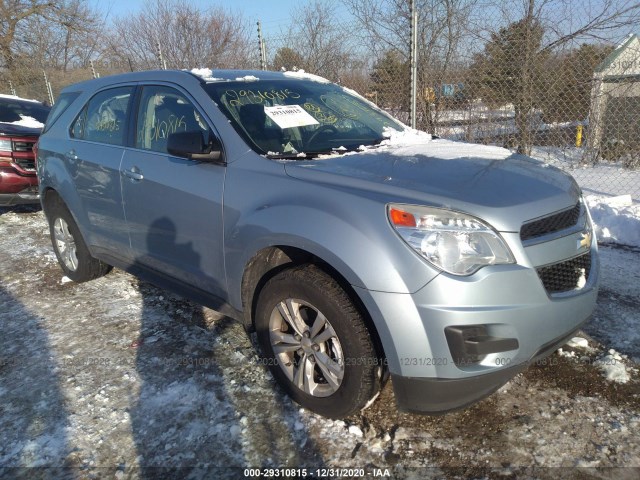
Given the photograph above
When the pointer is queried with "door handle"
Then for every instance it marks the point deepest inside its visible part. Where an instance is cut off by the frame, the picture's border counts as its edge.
(71, 155)
(134, 174)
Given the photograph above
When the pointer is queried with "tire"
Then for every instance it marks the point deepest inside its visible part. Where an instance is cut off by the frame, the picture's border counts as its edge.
(316, 343)
(70, 248)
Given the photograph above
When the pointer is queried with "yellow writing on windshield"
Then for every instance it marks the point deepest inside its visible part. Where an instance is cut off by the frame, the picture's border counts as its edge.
(317, 113)
(237, 98)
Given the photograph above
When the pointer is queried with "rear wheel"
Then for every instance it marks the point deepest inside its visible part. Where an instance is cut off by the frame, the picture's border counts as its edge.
(69, 246)
(316, 343)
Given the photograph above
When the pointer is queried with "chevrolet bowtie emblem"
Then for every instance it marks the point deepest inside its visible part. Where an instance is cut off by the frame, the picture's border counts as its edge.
(585, 240)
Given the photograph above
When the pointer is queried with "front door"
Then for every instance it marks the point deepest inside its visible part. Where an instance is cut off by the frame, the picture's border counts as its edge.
(173, 206)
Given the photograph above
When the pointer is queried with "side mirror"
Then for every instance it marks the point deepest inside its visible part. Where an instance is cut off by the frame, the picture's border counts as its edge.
(191, 145)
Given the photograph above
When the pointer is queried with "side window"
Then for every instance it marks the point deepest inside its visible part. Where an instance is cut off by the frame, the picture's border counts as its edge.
(164, 111)
(63, 102)
(103, 118)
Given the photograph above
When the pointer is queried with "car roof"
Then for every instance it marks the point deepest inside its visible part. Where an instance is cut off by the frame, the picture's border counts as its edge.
(202, 75)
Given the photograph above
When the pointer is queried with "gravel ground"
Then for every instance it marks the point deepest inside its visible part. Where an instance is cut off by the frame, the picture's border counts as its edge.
(116, 378)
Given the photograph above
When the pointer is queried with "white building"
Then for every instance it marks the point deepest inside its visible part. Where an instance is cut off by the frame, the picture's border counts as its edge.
(614, 119)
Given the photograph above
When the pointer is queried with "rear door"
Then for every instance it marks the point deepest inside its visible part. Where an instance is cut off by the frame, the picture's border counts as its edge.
(173, 205)
(98, 135)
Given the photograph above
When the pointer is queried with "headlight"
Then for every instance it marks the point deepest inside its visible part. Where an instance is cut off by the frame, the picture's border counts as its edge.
(5, 145)
(454, 242)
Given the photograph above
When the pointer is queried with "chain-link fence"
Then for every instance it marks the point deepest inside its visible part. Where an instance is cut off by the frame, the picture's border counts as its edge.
(571, 101)
(576, 107)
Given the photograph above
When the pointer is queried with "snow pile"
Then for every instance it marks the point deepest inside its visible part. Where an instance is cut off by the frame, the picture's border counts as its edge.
(26, 121)
(247, 78)
(206, 74)
(616, 219)
(306, 76)
(578, 342)
(411, 143)
(613, 368)
(408, 136)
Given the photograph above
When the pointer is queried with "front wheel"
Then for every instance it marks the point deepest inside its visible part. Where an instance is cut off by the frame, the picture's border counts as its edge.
(316, 343)
(71, 250)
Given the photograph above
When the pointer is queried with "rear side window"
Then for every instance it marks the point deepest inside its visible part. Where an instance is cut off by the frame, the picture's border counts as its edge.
(104, 117)
(63, 102)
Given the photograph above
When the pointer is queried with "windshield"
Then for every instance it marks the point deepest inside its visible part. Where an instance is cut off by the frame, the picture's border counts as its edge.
(289, 117)
(12, 111)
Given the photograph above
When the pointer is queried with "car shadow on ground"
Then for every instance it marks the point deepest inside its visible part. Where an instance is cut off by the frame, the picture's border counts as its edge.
(194, 414)
(34, 416)
(20, 209)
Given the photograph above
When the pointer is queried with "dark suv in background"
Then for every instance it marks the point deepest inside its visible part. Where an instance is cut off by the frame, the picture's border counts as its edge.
(21, 122)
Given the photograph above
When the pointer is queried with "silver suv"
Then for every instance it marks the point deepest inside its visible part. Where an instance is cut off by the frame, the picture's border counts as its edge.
(355, 247)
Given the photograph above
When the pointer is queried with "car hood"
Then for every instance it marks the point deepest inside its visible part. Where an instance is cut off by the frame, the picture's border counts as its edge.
(492, 183)
(14, 129)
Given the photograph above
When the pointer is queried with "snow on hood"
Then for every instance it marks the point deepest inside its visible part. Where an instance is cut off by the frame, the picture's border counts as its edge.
(409, 143)
(616, 219)
(304, 75)
(26, 121)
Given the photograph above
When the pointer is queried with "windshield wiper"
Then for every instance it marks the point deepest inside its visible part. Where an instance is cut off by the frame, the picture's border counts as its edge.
(333, 151)
(303, 155)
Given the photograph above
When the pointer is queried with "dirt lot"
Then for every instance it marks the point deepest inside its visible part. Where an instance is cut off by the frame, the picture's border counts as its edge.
(118, 379)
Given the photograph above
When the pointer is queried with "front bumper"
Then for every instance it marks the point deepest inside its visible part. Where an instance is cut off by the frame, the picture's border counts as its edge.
(441, 395)
(18, 188)
(28, 196)
(507, 304)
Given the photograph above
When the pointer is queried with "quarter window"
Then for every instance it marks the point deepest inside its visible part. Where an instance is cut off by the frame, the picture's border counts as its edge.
(104, 117)
(61, 105)
(164, 111)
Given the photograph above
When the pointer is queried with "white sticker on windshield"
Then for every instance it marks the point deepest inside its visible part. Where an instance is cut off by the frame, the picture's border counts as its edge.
(289, 116)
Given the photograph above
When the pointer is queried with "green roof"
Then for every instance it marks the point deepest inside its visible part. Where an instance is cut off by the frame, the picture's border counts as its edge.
(606, 63)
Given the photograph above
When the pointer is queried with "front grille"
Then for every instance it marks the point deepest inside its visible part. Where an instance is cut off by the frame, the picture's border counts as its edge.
(28, 164)
(566, 276)
(22, 146)
(553, 223)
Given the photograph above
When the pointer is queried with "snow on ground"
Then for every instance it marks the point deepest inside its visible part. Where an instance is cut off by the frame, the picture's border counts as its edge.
(613, 367)
(118, 374)
(116, 377)
(616, 219)
(609, 179)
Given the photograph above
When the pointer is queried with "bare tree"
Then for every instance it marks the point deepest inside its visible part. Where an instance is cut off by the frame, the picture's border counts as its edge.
(186, 35)
(512, 66)
(37, 36)
(441, 26)
(321, 40)
(68, 37)
(13, 15)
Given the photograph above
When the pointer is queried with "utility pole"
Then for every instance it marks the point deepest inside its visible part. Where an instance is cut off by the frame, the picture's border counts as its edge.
(161, 62)
(48, 85)
(93, 70)
(262, 50)
(414, 61)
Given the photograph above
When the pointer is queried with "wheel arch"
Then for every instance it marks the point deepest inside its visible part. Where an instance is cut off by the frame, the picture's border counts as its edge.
(270, 261)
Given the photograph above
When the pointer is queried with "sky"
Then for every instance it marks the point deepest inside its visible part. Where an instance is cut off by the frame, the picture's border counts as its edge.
(274, 15)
